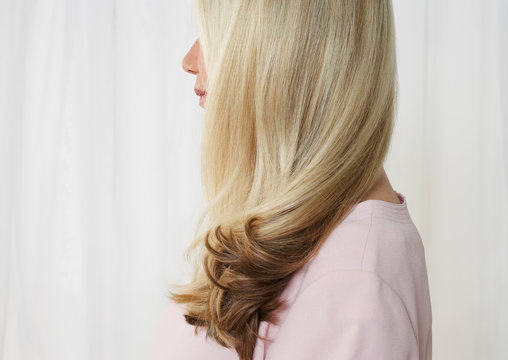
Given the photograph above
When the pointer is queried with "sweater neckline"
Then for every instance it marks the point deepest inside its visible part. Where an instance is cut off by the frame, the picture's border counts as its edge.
(380, 208)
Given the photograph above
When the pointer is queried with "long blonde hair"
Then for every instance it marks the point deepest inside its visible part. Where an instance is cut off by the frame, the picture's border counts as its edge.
(298, 121)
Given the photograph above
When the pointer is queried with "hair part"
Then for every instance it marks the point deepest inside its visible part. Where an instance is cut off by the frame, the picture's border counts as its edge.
(301, 98)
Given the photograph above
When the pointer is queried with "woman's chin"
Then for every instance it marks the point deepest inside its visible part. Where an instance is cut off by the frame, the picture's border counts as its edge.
(202, 100)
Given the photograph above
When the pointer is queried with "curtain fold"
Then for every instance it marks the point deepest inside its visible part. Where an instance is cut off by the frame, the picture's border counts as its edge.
(99, 180)
(466, 182)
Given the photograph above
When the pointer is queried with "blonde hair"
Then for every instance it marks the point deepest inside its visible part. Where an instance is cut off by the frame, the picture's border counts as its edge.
(298, 121)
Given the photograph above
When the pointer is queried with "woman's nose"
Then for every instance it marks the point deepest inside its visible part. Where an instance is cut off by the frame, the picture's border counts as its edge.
(189, 62)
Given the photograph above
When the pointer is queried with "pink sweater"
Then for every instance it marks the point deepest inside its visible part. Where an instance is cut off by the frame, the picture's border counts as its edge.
(364, 296)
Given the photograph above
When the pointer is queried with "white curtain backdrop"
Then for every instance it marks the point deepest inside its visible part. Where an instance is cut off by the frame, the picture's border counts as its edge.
(450, 155)
(99, 170)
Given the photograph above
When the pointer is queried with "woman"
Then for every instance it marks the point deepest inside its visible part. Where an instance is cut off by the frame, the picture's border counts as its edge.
(305, 251)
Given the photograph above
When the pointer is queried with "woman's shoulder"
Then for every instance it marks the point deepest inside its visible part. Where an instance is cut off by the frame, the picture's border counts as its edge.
(378, 247)
(377, 236)
(370, 271)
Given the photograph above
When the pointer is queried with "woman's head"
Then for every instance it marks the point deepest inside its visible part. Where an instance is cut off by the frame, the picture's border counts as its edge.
(194, 63)
(300, 104)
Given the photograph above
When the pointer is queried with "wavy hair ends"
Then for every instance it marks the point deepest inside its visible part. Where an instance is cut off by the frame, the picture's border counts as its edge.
(298, 121)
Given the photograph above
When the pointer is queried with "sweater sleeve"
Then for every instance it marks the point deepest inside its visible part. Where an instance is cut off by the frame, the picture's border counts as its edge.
(346, 315)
